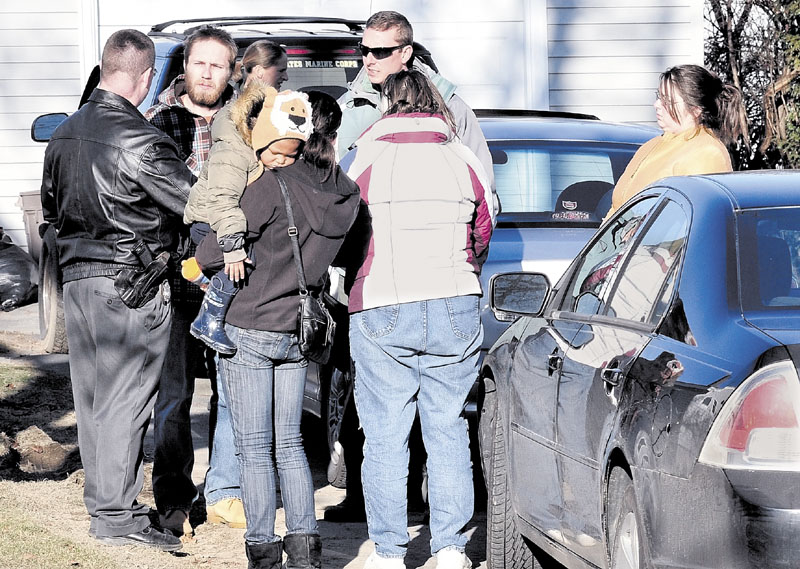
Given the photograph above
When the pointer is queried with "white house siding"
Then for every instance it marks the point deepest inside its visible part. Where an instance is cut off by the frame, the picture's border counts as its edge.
(605, 56)
(39, 73)
(596, 56)
(467, 37)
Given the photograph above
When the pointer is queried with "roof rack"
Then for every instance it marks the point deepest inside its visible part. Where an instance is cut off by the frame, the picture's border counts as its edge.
(352, 25)
(533, 114)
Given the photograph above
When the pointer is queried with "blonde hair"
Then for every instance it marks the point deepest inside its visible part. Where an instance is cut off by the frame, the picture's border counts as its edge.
(263, 52)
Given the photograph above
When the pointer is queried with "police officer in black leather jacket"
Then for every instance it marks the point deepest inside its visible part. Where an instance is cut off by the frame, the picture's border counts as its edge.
(113, 185)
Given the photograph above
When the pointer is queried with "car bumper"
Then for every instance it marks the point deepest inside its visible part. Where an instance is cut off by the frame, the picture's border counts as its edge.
(719, 518)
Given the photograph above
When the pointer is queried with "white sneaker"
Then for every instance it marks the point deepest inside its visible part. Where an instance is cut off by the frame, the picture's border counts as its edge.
(452, 559)
(375, 561)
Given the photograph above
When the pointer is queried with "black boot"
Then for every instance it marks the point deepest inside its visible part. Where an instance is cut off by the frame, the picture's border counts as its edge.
(303, 551)
(349, 510)
(264, 555)
(209, 326)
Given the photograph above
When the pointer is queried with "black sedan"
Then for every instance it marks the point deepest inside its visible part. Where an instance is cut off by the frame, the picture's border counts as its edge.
(645, 411)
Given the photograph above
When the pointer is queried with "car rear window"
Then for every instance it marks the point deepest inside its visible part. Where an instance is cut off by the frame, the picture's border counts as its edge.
(319, 70)
(329, 75)
(769, 259)
(557, 183)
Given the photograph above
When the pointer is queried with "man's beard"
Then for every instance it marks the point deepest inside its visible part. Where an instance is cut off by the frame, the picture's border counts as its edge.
(202, 97)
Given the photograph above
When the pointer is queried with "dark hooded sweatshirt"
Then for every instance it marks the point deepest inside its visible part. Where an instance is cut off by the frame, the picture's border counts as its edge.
(323, 213)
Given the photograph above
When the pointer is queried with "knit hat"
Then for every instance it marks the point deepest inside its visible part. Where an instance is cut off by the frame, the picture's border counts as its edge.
(285, 115)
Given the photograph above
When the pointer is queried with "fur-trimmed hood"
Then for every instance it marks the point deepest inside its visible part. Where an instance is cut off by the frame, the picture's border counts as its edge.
(248, 105)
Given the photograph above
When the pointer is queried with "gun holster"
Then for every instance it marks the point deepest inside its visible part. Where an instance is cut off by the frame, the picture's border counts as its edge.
(138, 286)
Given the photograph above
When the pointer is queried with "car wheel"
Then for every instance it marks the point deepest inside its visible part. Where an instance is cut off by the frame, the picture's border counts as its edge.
(52, 329)
(624, 527)
(340, 388)
(505, 547)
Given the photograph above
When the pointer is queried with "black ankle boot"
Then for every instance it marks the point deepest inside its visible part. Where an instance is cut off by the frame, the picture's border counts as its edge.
(264, 555)
(348, 510)
(303, 551)
(209, 326)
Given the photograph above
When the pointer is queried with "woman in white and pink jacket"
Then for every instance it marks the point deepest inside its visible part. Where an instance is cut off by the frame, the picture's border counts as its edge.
(415, 329)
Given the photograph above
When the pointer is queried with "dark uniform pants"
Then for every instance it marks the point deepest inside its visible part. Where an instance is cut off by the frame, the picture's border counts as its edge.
(115, 359)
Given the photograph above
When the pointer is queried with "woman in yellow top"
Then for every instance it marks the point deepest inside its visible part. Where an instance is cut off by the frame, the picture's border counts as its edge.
(699, 115)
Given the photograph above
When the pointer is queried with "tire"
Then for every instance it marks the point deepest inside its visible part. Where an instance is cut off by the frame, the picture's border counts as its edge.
(624, 523)
(505, 547)
(52, 329)
(339, 391)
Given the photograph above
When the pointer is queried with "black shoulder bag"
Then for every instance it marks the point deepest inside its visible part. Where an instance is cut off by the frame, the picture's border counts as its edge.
(315, 325)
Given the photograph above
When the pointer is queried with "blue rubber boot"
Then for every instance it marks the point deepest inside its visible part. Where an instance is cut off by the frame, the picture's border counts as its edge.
(209, 326)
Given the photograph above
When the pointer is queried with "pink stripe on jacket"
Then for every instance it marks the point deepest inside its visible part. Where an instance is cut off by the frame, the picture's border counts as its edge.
(431, 222)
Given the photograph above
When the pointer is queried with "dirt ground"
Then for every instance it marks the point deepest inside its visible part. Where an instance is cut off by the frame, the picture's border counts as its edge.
(49, 506)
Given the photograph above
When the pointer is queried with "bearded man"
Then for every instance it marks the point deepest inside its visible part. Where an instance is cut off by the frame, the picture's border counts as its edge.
(185, 111)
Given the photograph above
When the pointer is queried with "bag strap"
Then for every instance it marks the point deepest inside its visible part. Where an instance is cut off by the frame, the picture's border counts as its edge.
(298, 260)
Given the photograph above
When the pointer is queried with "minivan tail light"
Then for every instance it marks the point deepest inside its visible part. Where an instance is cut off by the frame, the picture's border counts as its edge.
(758, 428)
(297, 51)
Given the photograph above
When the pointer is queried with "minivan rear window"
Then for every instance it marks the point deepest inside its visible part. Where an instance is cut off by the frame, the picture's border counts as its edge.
(553, 182)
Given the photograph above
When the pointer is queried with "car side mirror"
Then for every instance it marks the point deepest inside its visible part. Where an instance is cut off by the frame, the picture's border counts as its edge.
(44, 126)
(517, 294)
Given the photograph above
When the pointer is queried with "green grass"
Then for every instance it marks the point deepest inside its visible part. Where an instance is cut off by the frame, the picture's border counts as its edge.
(14, 378)
(25, 545)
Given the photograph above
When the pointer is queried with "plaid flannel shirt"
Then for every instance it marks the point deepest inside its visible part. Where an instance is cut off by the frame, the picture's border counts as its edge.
(192, 134)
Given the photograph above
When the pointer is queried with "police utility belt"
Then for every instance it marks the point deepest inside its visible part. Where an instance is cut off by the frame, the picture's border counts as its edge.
(138, 286)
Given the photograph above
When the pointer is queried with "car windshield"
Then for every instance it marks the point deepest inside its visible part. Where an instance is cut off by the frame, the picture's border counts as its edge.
(769, 259)
(557, 183)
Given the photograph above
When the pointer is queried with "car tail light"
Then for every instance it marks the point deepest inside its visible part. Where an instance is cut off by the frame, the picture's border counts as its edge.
(759, 426)
(297, 51)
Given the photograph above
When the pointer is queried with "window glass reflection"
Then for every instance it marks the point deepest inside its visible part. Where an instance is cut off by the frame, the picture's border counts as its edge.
(650, 266)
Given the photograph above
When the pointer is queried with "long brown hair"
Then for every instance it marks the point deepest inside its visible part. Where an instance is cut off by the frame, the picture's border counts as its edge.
(718, 102)
(410, 91)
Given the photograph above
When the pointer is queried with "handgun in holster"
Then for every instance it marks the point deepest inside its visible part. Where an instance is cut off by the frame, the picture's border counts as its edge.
(138, 286)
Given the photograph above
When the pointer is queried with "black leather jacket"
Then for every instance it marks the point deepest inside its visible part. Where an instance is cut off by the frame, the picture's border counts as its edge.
(111, 178)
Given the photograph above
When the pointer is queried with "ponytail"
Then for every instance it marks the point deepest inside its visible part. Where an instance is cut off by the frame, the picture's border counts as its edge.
(729, 116)
(720, 104)
(326, 116)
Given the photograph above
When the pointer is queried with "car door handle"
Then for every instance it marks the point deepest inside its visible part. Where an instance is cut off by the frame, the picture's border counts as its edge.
(554, 362)
(611, 375)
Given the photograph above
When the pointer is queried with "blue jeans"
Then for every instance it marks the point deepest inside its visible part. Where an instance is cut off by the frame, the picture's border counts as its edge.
(417, 356)
(222, 476)
(265, 380)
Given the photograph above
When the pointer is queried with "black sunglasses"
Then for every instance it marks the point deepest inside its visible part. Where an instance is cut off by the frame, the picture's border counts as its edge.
(378, 52)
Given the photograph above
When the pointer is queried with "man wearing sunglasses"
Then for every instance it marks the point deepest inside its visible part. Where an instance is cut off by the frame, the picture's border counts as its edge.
(386, 48)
